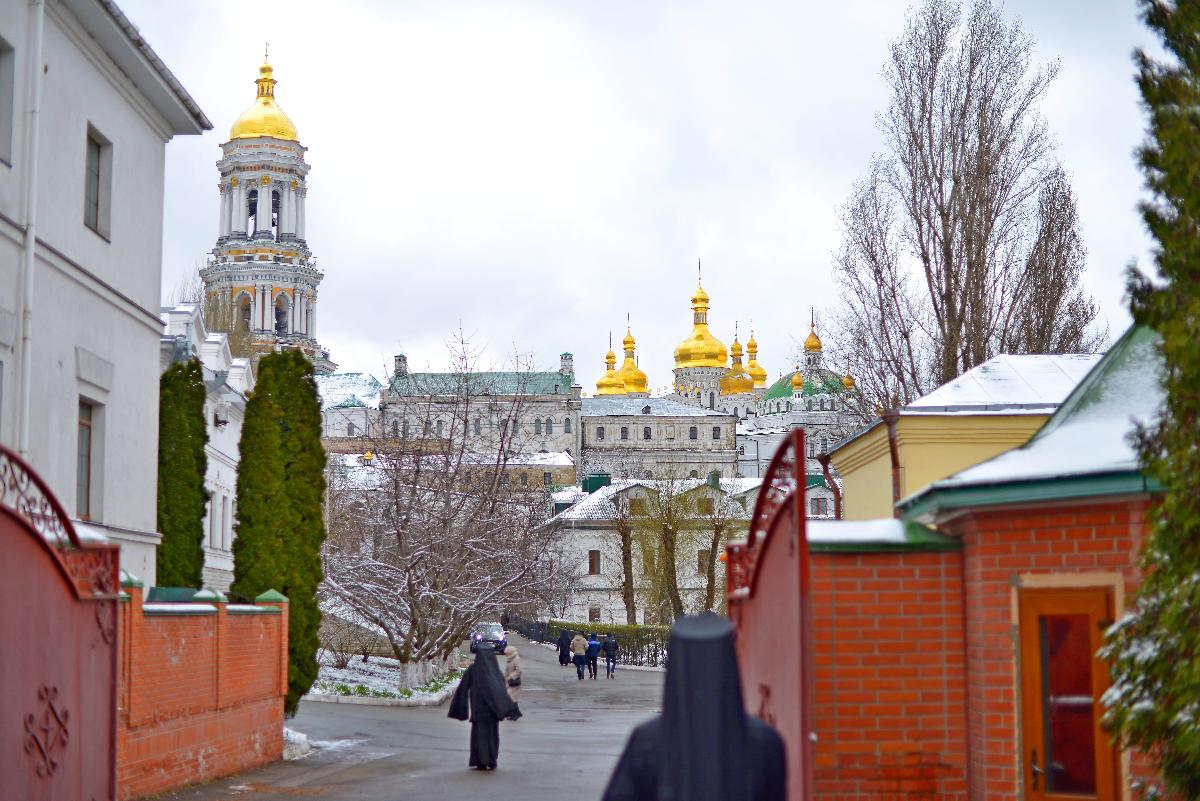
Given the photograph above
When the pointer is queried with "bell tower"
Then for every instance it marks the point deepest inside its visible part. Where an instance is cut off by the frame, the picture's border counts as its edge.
(260, 282)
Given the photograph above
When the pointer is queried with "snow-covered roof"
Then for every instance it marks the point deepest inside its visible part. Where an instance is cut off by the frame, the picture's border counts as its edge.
(1034, 383)
(889, 530)
(599, 504)
(653, 407)
(345, 390)
(1090, 432)
(550, 459)
(568, 495)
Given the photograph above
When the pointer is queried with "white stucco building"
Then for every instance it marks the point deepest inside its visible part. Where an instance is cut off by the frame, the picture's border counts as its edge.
(228, 379)
(86, 109)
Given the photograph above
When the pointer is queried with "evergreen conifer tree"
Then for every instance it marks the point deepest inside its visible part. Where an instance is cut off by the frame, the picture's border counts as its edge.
(1154, 703)
(182, 464)
(280, 505)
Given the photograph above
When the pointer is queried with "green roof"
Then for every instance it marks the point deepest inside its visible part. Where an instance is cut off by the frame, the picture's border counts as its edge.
(830, 383)
(495, 383)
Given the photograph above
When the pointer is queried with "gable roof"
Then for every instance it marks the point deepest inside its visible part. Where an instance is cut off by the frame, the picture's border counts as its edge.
(1084, 448)
(1033, 383)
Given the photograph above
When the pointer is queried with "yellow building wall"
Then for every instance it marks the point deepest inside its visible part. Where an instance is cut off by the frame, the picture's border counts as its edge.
(930, 447)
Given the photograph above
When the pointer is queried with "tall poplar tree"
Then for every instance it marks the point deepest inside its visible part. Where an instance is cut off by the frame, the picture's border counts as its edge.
(182, 465)
(1154, 703)
(281, 486)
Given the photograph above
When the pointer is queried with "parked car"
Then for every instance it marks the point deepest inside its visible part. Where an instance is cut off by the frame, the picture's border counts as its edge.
(490, 633)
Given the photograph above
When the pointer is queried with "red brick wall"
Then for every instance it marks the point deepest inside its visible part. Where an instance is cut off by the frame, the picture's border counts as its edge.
(999, 548)
(201, 696)
(889, 681)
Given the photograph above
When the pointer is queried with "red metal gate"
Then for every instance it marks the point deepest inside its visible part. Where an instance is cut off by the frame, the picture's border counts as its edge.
(770, 605)
(58, 648)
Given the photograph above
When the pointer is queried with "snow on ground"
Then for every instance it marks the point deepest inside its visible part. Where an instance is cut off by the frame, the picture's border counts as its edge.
(376, 678)
(295, 744)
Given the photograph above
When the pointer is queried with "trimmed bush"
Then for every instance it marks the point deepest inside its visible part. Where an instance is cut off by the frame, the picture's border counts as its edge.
(638, 645)
(182, 464)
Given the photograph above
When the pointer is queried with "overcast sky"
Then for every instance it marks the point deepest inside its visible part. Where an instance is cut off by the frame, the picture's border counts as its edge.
(536, 170)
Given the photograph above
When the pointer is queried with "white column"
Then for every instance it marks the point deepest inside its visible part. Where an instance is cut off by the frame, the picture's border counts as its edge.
(300, 201)
(312, 328)
(263, 216)
(223, 220)
(230, 204)
(285, 212)
(238, 212)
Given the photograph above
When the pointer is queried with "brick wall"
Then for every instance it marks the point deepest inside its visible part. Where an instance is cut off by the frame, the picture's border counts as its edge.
(889, 680)
(201, 691)
(1005, 549)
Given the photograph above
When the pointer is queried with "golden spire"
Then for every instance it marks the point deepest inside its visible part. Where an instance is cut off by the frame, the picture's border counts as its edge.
(701, 349)
(610, 383)
(813, 342)
(736, 380)
(756, 370)
(630, 374)
(264, 117)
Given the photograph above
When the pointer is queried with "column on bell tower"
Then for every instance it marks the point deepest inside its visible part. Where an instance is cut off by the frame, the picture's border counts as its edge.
(262, 213)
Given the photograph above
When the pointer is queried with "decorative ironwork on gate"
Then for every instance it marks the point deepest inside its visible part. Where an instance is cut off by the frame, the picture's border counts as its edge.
(46, 731)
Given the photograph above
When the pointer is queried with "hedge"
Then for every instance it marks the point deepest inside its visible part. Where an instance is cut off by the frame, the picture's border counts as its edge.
(638, 645)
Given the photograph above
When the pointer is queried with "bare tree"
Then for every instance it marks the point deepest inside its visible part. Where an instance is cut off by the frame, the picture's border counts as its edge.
(720, 518)
(963, 238)
(657, 529)
(430, 535)
(217, 316)
(623, 522)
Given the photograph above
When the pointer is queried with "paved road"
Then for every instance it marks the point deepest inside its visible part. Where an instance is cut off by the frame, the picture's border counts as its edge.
(569, 738)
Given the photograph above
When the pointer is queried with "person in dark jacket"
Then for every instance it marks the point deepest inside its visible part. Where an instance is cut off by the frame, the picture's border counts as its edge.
(564, 648)
(609, 647)
(703, 747)
(593, 654)
(482, 698)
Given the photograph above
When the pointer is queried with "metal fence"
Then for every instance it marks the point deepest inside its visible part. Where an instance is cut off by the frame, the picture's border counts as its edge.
(637, 645)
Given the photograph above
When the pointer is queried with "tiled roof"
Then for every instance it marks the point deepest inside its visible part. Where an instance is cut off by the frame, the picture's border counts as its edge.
(474, 384)
(348, 390)
(658, 407)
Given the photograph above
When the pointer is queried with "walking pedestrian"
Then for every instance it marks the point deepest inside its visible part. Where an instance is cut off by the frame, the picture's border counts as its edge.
(609, 646)
(481, 698)
(564, 647)
(703, 747)
(512, 676)
(579, 648)
(593, 654)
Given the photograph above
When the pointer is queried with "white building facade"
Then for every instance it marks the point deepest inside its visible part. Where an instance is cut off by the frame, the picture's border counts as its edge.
(228, 380)
(87, 109)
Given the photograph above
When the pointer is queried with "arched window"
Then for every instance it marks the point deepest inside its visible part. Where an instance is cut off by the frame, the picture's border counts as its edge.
(275, 216)
(693, 433)
(549, 426)
(351, 430)
(693, 474)
(244, 308)
(624, 432)
(281, 316)
(566, 425)
(712, 400)
(537, 425)
(647, 433)
(251, 212)
(812, 448)
(645, 410)
(599, 433)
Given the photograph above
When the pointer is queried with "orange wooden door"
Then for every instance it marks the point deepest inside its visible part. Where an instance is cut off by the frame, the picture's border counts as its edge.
(1066, 754)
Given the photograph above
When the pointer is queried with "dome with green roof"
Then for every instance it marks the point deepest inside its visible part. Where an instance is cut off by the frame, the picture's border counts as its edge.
(817, 383)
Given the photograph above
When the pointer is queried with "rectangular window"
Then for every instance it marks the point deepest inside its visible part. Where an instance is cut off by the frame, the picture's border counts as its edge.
(599, 433)
(228, 524)
(8, 94)
(524, 479)
(547, 479)
(624, 432)
(703, 558)
(818, 507)
(693, 433)
(212, 522)
(646, 432)
(594, 614)
(716, 432)
(97, 192)
(593, 563)
(83, 462)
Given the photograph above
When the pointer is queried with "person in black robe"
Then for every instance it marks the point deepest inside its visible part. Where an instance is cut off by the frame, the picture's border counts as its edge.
(482, 698)
(703, 747)
(564, 648)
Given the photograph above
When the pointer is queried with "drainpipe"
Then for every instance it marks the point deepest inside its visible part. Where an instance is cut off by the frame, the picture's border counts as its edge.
(33, 91)
(890, 418)
(823, 460)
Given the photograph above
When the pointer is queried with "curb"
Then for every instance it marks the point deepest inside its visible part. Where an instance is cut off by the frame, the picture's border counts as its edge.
(429, 700)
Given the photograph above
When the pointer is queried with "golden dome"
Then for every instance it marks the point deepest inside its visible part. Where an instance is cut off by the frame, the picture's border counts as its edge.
(736, 380)
(848, 381)
(701, 349)
(610, 383)
(813, 342)
(264, 117)
(630, 374)
(756, 370)
(797, 380)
